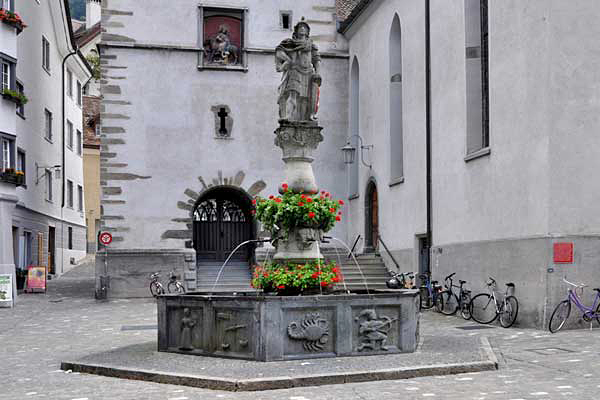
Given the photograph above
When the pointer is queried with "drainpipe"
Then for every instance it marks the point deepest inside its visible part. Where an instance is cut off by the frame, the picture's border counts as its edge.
(428, 127)
(62, 205)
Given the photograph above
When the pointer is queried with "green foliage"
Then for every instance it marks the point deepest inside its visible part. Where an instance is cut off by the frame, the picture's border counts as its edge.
(15, 96)
(286, 276)
(94, 62)
(77, 8)
(284, 213)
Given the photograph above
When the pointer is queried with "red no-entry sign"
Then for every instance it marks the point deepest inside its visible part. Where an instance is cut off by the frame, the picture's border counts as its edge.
(105, 238)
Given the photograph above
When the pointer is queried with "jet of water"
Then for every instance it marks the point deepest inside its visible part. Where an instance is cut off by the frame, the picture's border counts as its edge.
(356, 262)
(230, 255)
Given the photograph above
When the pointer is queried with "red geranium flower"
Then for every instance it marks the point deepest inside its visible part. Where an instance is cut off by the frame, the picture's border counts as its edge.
(341, 202)
(271, 197)
(332, 210)
(278, 200)
(311, 214)
(301, 204)
(314, 275)
(338, 218)
(253, 201)
(324, 284)
(309, 200)
(281, 287)
(302, 196)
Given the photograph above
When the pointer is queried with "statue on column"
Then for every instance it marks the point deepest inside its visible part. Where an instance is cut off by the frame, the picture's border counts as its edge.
(298, 58)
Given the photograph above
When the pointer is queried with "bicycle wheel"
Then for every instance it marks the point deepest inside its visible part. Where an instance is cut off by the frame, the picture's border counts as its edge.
(465, 307)
(559, 316)
(438, 301)
(426, 300)
(483, 308)
(175, 287)
(156, 288)
(509, 311)
(598, 313)
(449, 302)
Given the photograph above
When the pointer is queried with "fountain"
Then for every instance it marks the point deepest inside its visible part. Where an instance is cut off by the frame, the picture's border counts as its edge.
(263, 326)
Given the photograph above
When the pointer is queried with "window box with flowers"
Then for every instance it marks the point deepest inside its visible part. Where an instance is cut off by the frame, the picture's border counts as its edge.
(13, 19)
(12, 95)
(10, 175)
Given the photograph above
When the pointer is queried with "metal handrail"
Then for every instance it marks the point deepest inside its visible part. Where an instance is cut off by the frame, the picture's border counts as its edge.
(354, 246)
(388, 251)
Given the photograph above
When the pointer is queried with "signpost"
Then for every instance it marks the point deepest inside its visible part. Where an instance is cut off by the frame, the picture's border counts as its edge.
(105, 238)
(6, 290)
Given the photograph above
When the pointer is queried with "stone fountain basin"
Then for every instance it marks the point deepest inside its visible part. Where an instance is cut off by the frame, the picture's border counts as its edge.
(275, 328)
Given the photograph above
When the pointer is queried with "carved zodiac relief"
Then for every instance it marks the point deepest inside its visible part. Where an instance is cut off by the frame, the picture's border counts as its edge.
(187, 324)
(314, 330)
(373, 330)
(238, 334)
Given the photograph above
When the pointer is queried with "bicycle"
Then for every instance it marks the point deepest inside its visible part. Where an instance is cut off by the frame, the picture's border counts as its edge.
(485, 308)
(399, 280)
(174, 286)
(450, 303)
(156, 288)
(563, 309)
(429, 292)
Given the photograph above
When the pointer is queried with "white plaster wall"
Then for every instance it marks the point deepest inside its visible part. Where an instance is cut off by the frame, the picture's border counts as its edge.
(505, 194)
(574, 120)
(43, 90)
(402, 207)
(178, 23)
(170, 136)
(8, 45)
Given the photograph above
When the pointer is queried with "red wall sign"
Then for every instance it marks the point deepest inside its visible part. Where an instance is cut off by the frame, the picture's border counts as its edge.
(563, 253)
(105, 238)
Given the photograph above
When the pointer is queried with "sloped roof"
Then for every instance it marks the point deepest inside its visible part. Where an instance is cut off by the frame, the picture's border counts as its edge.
(84, 36)
(344, 8)
(358, 8)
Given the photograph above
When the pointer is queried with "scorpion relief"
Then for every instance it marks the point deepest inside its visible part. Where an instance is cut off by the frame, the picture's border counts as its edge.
(314, 330)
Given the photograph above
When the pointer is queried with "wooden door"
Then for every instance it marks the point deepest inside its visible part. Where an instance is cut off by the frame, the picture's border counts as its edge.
(51, 250)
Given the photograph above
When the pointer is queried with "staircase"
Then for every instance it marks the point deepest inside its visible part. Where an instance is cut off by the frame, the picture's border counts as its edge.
(372, 266)
(235, 277)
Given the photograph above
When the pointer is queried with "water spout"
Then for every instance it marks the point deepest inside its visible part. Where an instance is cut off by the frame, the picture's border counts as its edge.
(230, 255)
(356, 262)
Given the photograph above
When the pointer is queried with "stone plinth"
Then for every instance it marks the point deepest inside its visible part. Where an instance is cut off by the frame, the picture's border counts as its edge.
(271, 328)
(8, 201)
(298, 141)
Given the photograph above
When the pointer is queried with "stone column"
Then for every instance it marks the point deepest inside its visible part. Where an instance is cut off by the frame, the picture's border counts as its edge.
(298, 140)
(8, 201)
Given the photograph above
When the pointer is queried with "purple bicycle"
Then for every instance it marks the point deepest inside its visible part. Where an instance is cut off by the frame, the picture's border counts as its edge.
(563, 309)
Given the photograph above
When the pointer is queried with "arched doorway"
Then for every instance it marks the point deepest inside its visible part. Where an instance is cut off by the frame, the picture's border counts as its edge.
(371, 218)
(221, 221)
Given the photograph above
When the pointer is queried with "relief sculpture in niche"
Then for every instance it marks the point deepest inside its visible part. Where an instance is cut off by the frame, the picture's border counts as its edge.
(314, 330)
(219, 49)
(236, 332)
(187, 324)
(373, 330)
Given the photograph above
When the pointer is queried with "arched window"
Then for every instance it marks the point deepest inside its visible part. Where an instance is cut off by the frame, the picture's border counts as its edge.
(396, 151)
(354, 125)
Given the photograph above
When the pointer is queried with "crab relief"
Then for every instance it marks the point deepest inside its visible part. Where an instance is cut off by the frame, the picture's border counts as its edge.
(314, 330)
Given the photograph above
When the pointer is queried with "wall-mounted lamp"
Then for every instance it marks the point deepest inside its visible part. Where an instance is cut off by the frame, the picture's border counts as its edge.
(349, 151)
(56, 168)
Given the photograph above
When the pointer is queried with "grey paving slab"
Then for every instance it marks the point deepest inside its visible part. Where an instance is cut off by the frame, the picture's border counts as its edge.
(67, 323)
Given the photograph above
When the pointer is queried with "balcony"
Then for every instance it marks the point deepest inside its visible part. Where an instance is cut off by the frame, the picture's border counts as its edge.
(12, 19)
(13, 177)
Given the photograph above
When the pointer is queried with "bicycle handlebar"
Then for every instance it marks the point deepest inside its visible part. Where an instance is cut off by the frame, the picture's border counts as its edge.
(581, 285)
(491, 282)
(450, 276)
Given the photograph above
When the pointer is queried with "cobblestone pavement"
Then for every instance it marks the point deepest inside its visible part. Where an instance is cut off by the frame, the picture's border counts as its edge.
(67, 323)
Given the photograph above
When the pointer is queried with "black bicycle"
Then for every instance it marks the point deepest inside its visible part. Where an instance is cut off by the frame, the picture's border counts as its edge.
(450, 302)
(485, 308)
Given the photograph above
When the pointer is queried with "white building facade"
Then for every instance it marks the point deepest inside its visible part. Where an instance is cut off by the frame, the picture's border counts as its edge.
(511, 113)
(47, 224)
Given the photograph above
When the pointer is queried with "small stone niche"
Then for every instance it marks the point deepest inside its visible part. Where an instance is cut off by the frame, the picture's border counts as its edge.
(223, 121)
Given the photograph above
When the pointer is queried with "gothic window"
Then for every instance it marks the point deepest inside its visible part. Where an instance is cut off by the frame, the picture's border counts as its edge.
(354, 125)
(232, 212)
(477, 79)
(396, 140)
(222, 38)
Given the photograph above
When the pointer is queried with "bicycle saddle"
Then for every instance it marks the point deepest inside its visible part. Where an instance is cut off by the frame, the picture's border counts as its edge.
(510, 284)
(462, 282)
(597, 289)
(450, 276)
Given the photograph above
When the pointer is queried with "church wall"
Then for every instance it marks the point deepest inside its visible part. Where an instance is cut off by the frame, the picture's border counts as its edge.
(402, 206)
